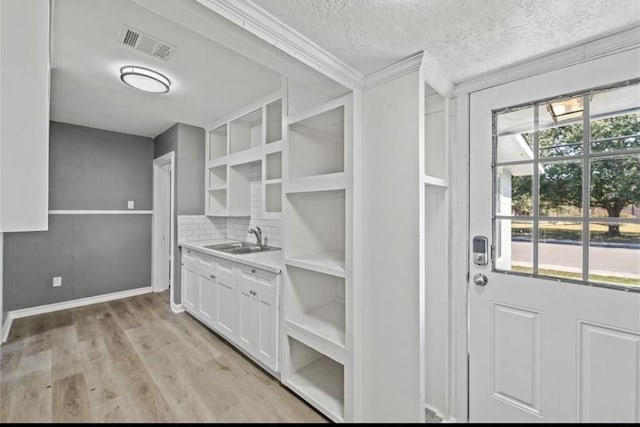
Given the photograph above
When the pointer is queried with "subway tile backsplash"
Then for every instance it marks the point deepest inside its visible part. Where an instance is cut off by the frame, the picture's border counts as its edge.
(200, 227)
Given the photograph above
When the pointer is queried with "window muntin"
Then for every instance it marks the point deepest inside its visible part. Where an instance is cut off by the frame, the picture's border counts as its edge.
(567, 188)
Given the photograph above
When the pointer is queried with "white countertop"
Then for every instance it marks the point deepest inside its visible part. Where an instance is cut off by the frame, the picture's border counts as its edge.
(269, 261)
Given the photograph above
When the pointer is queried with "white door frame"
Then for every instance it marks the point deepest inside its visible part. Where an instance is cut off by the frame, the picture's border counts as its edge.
(161, 161)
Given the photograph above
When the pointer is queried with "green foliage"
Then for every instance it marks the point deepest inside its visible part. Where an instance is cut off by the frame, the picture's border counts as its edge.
(615, 181)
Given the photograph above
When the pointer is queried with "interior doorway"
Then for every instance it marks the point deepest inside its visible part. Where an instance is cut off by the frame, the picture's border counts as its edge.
(162, 264)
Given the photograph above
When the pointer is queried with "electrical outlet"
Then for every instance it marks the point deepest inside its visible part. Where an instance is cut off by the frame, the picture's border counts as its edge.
(57, 281)
(130, 204)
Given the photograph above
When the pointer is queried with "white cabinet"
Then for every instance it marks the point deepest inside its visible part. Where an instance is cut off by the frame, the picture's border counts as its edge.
(207, 296)
(226, 307)
(235, 300)
(189, 280)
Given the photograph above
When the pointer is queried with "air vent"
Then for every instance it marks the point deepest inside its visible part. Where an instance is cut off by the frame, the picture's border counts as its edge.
(145, 43)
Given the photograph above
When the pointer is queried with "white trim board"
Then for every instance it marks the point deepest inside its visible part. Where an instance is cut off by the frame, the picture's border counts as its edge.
(65, 305)
(266, 27)
(100, 212)
(177, 308)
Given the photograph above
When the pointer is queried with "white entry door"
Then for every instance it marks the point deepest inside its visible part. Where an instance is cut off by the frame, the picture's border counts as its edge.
(554, 318)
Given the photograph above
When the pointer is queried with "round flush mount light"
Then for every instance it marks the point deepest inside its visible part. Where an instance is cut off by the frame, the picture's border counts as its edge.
(144, 79)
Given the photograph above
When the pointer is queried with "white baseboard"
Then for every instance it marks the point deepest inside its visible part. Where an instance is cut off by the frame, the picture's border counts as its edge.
(177, 308)
(6, 327)
(49, 308)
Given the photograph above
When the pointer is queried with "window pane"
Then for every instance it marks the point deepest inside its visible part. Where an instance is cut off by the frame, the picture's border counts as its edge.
(514, 248)
(514, 190)
(560, 135)
(615, 187)
(615, 121)
(513, 131)
(561, 189)
(560, 249)
(614, 253)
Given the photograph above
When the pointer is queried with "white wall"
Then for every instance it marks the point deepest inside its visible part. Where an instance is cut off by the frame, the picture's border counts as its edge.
(393, 366)
(24, 118)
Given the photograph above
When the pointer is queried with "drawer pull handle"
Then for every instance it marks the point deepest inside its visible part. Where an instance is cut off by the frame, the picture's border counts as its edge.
(213, 277)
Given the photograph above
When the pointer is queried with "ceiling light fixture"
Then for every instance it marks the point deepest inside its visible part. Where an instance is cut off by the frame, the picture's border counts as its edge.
(144, 79)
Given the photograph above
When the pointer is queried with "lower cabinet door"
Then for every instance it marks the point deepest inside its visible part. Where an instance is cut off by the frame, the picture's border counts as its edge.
(226, 307)
(247, 318)
(207, 300)
(189, 288)
(267, 329)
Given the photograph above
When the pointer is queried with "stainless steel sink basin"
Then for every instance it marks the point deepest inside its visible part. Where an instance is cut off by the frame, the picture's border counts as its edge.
(240, 248)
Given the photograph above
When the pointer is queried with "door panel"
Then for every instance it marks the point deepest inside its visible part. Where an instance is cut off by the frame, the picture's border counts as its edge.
(267, 329)
(542, 348)
(190, 287)
(207, 300)
(247, 318)
(226, 307)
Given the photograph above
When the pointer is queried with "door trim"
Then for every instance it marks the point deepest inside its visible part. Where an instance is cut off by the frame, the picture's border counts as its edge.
(164, 160)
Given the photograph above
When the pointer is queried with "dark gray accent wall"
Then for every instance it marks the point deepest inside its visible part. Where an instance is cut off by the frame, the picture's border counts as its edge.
(94, 255)
(90, 169)
(188, 143)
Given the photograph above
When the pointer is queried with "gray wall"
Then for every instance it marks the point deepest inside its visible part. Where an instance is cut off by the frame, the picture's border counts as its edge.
(95, 254)
(188, 143)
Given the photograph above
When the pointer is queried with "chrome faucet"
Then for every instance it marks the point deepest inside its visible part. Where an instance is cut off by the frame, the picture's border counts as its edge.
(258, 232)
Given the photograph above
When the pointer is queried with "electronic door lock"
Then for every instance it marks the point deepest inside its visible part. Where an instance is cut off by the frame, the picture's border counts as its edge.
(480, 250)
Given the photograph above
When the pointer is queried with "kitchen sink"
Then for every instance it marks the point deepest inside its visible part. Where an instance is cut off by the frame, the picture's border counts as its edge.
(240, 248)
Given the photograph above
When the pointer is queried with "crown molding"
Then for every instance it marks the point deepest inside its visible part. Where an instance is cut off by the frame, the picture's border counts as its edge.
(598, 48)
(266, 27)
(393, 71)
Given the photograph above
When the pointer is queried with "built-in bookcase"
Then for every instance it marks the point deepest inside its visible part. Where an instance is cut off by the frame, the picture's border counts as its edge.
(236, 144)
(317, 350)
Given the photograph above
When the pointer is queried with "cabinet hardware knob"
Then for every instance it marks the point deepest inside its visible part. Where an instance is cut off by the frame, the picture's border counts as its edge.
(253, 270)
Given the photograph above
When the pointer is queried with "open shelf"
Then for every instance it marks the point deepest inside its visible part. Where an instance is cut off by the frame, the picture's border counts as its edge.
(273, 197)
(246, 132)
(217, 177)
(316, 144)
(273, 129)
(317, 378)
(273, 165)
(315, 235)
(217, 201)
(315, 303)
(333, 181)
(434, 134)
(323, 262)
(218, 143)
(239, 185)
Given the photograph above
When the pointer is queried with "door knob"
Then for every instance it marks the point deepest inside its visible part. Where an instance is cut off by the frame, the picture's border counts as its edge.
(480, 279)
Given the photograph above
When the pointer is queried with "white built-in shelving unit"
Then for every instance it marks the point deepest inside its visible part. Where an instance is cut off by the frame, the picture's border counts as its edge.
(317, 345)
(435, 251)
(235, 146)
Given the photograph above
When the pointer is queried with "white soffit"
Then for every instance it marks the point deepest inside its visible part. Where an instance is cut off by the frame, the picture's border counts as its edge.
(465, 38)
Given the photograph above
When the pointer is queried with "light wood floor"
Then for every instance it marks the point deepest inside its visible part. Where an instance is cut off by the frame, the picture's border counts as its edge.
(133, 360)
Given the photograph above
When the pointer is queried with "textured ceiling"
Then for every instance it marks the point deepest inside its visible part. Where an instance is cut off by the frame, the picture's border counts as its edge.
(466, 37)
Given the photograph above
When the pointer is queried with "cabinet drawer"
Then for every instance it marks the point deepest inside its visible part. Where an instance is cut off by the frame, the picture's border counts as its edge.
(189, 258)
(259, 279)
(206, 262)
(225, 269)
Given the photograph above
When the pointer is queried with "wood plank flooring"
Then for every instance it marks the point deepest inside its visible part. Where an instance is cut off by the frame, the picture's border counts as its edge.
(133, 360)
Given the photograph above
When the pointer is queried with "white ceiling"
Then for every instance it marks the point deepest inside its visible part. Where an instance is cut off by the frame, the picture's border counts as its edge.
(467, 38)
(209, 80)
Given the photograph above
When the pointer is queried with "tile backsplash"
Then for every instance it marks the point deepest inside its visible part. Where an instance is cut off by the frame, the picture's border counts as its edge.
(201, 227)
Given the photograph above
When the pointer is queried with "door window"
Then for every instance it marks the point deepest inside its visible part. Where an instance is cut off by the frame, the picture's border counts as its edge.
(567, 188)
